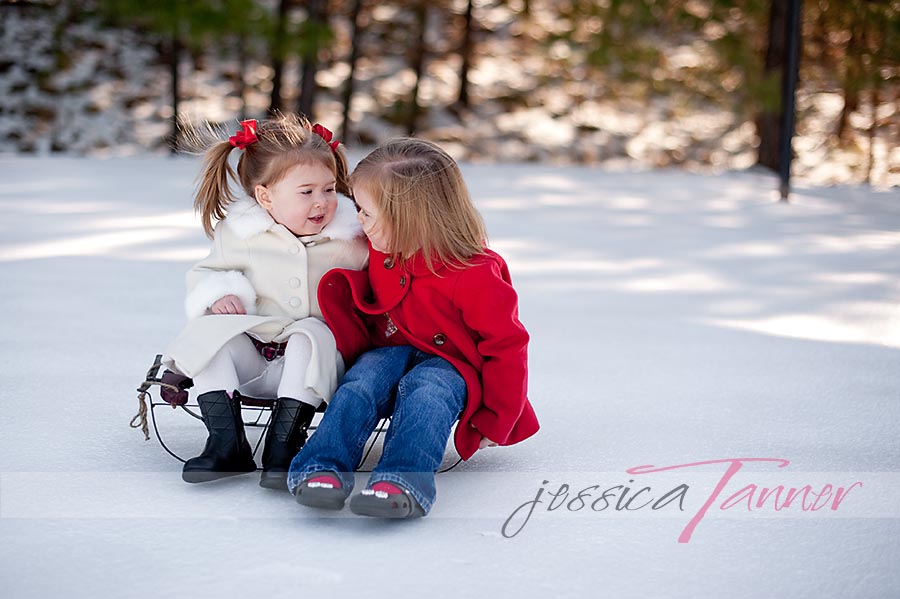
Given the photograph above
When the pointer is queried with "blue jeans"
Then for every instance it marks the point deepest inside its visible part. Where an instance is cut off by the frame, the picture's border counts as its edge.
(421, 393)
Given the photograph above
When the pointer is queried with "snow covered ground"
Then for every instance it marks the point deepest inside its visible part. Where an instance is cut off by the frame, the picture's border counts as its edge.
(675, 319)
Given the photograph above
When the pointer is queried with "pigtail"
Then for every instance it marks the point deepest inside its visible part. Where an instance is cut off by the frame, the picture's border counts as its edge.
(341, 172)
(214, 192)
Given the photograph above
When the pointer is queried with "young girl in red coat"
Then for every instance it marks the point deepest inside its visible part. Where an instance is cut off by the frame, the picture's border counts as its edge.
(433, 329)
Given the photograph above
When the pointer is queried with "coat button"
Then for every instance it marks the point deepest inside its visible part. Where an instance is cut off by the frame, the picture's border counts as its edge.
(403, 281)
(294, 282)
(295, 249)
(439, 339)
(389, 263)
(295, 302)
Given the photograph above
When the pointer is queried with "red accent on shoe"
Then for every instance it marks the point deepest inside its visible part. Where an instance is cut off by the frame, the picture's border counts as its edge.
(388, 488)
(327, 479)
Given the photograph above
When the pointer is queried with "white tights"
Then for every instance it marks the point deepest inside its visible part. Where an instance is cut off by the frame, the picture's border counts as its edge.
(239, 365)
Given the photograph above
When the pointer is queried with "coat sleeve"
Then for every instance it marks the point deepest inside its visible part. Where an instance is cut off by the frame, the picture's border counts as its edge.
(337, 295)
(489, 306)
(221, 273)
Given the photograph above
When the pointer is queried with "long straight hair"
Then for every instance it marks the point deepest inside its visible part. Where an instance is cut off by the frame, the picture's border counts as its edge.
(423, 201)
(283, 141)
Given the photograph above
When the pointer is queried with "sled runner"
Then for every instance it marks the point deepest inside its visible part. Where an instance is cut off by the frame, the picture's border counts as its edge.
(174, 397)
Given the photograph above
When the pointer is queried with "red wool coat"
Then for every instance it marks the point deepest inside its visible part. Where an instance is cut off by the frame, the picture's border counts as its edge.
(469, 317)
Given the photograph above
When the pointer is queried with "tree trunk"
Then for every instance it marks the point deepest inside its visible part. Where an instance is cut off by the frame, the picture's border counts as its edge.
(242, 68)
(851, 105)
(278, 56)
(768, 122)
(174, 59)
(852, 75)
(789, 77)
(64, 19)
(317, 13)
(355, 42)
(466, 55)
(417, 62)
(873, 128)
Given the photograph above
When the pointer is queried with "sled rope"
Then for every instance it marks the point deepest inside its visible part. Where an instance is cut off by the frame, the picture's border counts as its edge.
(143, 396)
(141, 416)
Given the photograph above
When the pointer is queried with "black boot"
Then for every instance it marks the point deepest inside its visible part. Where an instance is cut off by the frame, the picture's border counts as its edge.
(285, 437)
(227, 451)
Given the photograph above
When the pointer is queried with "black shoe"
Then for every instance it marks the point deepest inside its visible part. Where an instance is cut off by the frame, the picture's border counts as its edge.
(320, 495)
(284, 438)
(227, 451)
(380, 504)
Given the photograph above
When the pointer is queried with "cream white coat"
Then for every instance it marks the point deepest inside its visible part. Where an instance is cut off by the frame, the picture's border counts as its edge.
(276, 275)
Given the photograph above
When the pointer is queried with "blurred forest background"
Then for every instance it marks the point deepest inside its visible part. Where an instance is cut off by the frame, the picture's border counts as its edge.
(689, 83)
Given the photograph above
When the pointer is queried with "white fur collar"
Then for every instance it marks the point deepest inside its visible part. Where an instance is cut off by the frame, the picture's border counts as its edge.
(247, 218)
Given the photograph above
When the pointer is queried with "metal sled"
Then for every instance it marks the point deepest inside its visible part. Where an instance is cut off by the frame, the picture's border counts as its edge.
(256, 413)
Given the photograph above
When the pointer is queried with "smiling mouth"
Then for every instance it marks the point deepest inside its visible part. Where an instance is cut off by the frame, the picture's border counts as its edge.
(317, 219)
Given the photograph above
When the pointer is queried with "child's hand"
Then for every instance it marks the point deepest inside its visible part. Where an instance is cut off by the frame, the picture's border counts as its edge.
(485, 442)
(230, 304)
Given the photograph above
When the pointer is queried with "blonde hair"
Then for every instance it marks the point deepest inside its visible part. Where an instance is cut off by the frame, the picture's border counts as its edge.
(423, 201)
(283, 141)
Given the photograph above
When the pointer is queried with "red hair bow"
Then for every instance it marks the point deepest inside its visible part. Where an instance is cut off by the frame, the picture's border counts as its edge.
(327, 135)
(246, 136)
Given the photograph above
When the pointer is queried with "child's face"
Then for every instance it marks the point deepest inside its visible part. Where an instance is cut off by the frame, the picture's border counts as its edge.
(304, 200)
(369, 217)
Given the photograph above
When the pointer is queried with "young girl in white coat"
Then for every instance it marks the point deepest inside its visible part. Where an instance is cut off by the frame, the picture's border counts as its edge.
(254, 321)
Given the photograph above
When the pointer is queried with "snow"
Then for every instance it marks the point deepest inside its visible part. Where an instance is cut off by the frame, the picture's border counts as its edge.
(675, 319)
